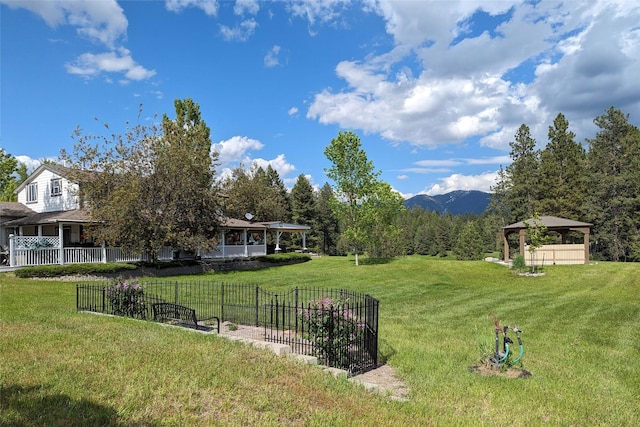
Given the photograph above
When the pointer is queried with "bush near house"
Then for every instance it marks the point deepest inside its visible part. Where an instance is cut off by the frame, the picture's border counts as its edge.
(72, 270)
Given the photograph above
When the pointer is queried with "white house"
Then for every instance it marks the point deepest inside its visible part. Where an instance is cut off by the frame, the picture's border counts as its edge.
(45, 226)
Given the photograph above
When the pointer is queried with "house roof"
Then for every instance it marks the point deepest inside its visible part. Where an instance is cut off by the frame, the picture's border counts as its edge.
(272, 225)
(57, 169)
(76, 215)
(551, 222)
(284, 226)
(240, 223)
(14, 209)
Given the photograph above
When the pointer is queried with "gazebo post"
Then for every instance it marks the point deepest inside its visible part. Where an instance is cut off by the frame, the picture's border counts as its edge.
(522, 233)
(506, 245)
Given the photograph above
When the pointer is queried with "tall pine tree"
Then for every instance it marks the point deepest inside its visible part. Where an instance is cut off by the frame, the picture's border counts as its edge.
(562, 173)
(303, 209)
(523, 175)
(614, 183)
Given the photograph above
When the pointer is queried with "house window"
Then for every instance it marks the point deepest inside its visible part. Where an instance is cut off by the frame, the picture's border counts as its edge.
(32, 192)
(56, 187)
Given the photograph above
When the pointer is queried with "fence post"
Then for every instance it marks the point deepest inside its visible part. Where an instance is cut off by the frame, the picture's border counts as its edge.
(257, 305)
(222, 302)
(296, 309)
(12, 250)
(277, 313)
(104, 298)
(175, 294)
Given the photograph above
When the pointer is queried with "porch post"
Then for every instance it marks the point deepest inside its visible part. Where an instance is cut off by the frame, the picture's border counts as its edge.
(223, 244)
(244, 238)
(12, 250)
(61, 238)
(304, 241)
(278, 233)
(103, 249)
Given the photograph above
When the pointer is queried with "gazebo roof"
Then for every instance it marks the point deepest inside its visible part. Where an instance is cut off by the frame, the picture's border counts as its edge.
(551, 222)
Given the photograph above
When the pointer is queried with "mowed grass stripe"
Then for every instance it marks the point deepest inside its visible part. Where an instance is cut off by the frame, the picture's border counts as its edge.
(60, 367)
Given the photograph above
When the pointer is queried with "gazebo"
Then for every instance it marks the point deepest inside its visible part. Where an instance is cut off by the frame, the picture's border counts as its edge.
(558, 254)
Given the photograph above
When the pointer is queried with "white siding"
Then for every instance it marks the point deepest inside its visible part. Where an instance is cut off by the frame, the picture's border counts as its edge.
(46, 202)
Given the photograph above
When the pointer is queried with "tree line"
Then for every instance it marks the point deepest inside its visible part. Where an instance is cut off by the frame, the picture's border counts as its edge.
(158, 185)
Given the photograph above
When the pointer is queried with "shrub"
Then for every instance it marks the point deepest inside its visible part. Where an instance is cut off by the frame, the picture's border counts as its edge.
(333, 329)
(127, 298)
(284, 257)
(72, 270)
(519, 264)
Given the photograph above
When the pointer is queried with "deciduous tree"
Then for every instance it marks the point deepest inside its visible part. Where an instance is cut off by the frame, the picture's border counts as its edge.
(152, 186)
(360, 196)
(12, 174)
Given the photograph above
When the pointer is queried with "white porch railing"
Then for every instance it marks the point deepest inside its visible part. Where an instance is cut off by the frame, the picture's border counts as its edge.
(32, 251)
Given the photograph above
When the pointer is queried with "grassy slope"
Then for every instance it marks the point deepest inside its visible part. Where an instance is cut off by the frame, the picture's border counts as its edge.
(582, 341)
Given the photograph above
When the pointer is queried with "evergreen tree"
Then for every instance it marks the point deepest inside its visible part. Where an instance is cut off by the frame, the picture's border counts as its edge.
(327, 224)
(522, 175)
(303, 209)
(469, 244)
(442, 229)
(562, 173)
(614, 183)
(278, 196)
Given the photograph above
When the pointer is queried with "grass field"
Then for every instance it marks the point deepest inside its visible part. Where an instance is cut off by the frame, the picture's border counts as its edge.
(581, 332)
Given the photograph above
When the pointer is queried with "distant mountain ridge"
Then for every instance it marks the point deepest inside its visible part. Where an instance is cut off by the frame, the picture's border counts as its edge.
(456, 202)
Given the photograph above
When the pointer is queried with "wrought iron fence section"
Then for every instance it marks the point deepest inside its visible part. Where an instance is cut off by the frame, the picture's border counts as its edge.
(338, 326)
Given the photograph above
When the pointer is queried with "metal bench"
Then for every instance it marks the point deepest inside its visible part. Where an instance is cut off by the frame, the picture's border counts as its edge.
(163, 311)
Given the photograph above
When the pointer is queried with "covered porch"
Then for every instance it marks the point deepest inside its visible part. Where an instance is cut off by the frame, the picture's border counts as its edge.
(58, 238)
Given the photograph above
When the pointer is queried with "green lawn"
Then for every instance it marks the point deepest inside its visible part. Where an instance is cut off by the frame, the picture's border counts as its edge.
(581, 332)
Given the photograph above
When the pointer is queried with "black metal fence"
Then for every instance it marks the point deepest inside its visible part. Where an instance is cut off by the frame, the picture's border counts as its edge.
(338, 326)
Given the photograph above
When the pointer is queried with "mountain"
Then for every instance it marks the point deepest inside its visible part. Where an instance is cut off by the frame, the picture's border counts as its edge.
(457, 202)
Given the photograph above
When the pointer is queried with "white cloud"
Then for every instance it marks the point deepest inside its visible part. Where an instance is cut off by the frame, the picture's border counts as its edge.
(209, 7)
(582, 57)
(271, 58)
(246, 6)
(482, 182)
(102, 21)
(240, 32)
(317, 11)
(91, 65)
(235, 149)
(292, 111)
(439, 163)
(280, 164)
(31, 164)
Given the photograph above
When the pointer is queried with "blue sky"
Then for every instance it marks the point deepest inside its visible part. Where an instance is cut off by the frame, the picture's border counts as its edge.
(435, 89)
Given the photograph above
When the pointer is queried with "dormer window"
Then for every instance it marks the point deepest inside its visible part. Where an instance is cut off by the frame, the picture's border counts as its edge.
(56, 187)
(32, 193)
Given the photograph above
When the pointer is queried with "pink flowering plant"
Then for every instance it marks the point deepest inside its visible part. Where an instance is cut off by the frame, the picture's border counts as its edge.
(126, 298)
(333, 328)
